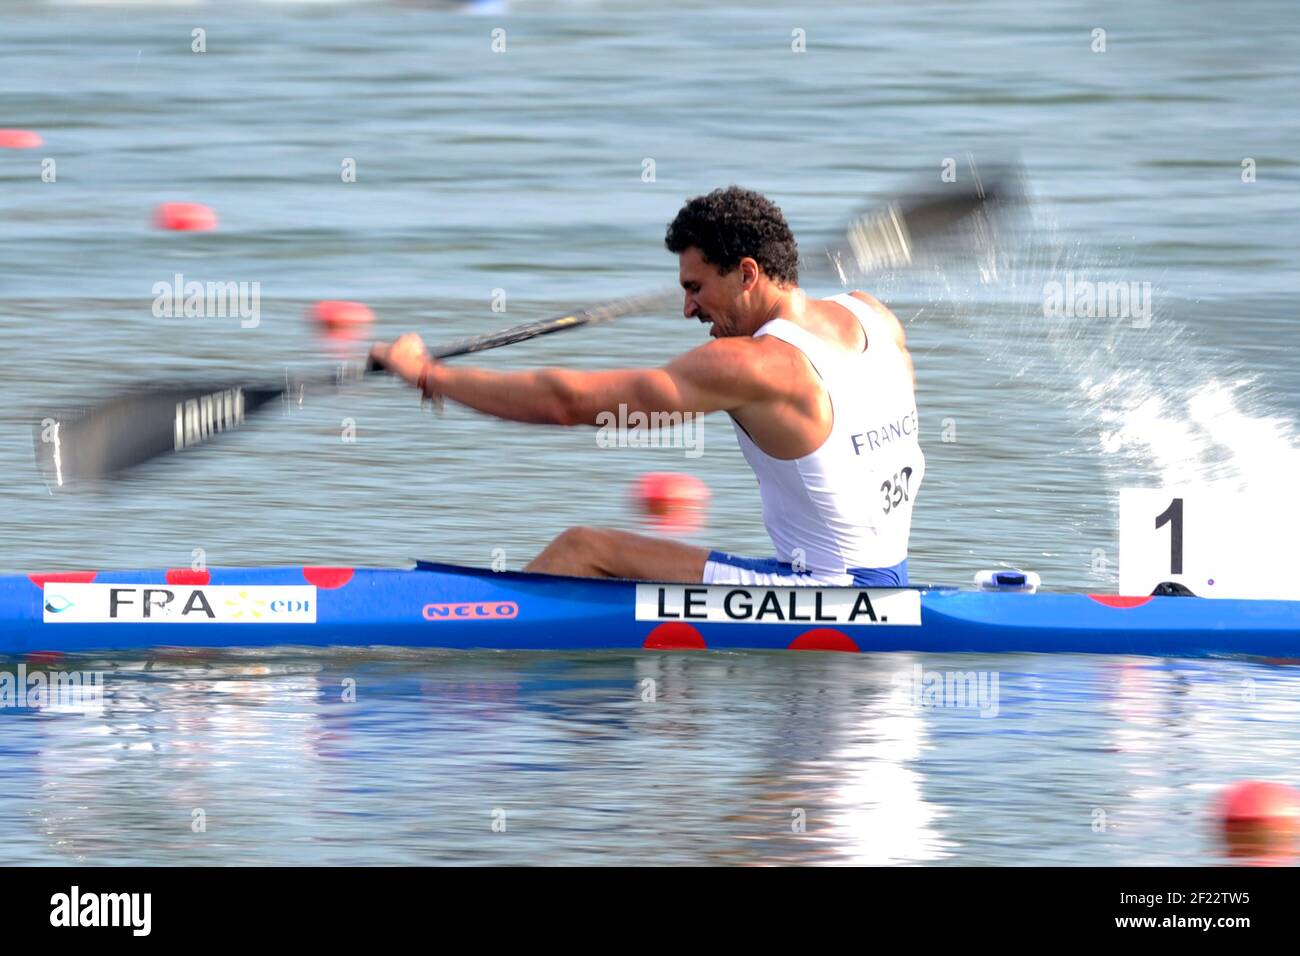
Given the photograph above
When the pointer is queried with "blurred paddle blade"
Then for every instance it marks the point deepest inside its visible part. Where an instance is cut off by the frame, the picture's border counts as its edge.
(86, 444)
(942, 219)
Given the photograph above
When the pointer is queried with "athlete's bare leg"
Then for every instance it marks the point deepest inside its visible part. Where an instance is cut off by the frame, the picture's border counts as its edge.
(607, 553)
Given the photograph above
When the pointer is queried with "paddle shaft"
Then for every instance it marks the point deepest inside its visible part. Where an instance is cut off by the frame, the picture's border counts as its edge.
(138, 426)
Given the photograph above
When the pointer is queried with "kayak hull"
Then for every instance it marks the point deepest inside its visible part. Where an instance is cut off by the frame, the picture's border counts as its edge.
(438, 605)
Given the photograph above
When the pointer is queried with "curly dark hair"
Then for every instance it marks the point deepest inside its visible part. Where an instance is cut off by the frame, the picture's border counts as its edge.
(729, 224)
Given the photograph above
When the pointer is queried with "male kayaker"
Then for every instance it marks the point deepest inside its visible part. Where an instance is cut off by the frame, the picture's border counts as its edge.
(821, 393)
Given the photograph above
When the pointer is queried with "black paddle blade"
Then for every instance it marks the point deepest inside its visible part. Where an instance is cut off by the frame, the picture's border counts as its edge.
(901, 233)
(976, 189)
(87, 444)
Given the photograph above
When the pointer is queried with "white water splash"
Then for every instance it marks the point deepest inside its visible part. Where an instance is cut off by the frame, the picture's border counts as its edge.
(1244, 464)
(1156, 407)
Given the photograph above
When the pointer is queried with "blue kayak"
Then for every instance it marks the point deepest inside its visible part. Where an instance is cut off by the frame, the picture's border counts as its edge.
(441, 605)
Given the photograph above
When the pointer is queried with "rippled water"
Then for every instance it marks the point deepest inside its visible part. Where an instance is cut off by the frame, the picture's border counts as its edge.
(654, 758)
(522, 171)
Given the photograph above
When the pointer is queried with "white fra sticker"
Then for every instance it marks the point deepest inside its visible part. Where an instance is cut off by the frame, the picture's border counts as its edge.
(736, 604)
(179, 604)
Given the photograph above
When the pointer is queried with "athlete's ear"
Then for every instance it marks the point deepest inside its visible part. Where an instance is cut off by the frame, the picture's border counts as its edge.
(748, 273)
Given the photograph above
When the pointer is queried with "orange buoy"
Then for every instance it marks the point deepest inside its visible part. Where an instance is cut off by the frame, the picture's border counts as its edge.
(338, 316)
(672, 501)
(1260, 819)
(19, 139)
(185, 217)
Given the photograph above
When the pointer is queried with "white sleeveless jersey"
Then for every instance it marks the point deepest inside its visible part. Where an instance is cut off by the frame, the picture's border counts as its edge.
(848, 504)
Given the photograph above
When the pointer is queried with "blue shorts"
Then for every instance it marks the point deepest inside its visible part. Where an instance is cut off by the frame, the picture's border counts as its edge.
(724, 568)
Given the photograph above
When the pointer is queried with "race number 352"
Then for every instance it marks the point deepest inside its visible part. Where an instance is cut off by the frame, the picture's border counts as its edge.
(897, 490)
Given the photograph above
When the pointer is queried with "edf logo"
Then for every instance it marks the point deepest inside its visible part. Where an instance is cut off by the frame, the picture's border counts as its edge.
(284, 606)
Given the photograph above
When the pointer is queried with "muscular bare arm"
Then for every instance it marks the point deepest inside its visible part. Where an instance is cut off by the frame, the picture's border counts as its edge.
(722, 375)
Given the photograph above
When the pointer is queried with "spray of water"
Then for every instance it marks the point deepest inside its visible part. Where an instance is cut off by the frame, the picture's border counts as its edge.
(1153, 406)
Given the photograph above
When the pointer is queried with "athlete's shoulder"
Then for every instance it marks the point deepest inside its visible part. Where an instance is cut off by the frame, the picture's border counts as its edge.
(895, 326)
(729, 348)
(869, 299)
(728, 355)
(740, 365)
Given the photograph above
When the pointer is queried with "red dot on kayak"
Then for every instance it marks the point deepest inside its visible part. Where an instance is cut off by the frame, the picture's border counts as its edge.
(674, 636)
(62, 577)
(1121, 600)
(824, 639)
(188, 576)
(328, 578)
(671, 500)
(185, 217)
(337, 315)
(19, 139)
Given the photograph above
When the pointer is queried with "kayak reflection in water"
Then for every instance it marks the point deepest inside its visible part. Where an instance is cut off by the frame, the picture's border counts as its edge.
(821, 393)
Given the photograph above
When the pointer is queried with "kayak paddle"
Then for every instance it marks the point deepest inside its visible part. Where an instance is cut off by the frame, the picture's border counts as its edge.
(137, 426)
(150, 422)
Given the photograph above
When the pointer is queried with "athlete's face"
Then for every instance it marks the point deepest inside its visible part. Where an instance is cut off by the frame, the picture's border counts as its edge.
(712, 298)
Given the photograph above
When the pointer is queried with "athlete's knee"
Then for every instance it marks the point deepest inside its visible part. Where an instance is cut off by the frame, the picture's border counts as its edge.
(580, 550)
(581, 538)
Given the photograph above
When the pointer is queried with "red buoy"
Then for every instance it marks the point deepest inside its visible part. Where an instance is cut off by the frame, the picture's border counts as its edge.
(1260, 819)
(672, 501)
(337, 316)
(19, 139)
(185, 217)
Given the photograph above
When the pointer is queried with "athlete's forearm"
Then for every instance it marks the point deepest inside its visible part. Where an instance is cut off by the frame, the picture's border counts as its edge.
(539, 397)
